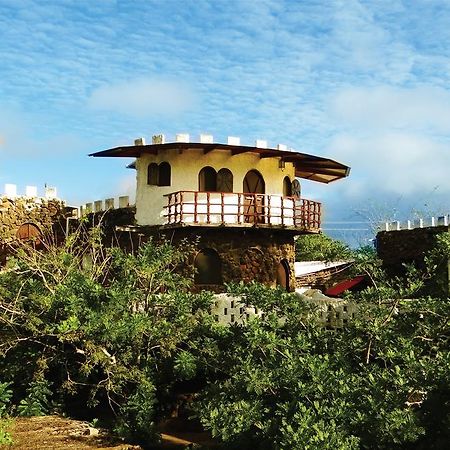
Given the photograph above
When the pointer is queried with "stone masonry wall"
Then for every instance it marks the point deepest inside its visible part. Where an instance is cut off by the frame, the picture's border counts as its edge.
(42, 213)
(245, 254)
(395, 248)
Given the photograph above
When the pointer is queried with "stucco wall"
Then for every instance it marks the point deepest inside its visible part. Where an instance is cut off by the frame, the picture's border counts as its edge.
(186, 166)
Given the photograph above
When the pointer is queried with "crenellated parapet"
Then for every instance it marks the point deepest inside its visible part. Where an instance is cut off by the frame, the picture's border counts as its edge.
(28, 213)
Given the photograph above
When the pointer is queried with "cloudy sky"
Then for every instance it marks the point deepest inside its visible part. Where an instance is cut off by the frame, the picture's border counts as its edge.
(364, 82)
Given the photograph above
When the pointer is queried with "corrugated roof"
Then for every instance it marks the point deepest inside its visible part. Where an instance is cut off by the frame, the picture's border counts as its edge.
(307, 166)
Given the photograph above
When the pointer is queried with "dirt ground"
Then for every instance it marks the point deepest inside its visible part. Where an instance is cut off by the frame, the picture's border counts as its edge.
(60, 433)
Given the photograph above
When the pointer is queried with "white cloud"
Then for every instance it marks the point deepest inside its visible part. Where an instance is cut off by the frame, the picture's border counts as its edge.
(144, 97)
(424, 107)
(393, 164)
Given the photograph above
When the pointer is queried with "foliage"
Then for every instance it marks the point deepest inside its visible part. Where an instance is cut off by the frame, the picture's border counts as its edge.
(292, 384)
(5, 397)
(320, 247)
(101, 327)
(36, 403)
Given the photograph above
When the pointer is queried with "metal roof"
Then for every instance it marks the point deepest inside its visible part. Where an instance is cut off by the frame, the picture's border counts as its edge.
(307, 166)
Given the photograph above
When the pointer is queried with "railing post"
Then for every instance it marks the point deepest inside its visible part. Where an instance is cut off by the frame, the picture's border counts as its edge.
(282, 211)
(181, 207)
(239, 208)
(195, 206)
(207, 207)
(222, 206)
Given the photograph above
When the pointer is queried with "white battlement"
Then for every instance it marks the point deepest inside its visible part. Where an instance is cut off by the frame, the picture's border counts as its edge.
(205, 139)
(397, 225)
(31, 192)
(107, 204)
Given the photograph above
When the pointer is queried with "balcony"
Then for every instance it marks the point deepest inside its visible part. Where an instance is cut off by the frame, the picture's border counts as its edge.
(241, 209)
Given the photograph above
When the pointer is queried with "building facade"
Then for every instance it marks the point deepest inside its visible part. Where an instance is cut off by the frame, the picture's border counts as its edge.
(243, 203)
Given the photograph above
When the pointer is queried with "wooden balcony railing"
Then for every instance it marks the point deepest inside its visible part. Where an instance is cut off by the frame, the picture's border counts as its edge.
(223, 208)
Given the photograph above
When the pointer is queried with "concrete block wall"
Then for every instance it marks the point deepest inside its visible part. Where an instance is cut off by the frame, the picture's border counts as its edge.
(332, 313)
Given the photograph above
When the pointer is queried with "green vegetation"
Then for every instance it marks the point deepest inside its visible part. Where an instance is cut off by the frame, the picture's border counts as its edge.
(86, 326)
(320, 247)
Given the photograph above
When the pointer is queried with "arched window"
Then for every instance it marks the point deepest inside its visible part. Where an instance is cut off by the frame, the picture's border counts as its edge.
(224, 180)
(208, 267)
(164, 174)
(207, 180)
(159, 175)
(287, 187)
(152, 174)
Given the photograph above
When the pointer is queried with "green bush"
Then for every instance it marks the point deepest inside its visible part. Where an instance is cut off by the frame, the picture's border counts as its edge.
(5, 398)
(122, 331)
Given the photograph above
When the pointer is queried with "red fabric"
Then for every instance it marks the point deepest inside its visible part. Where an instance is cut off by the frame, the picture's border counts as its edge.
(344, 285)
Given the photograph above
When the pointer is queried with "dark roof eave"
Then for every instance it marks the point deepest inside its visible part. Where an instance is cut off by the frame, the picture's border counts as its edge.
(316, 168)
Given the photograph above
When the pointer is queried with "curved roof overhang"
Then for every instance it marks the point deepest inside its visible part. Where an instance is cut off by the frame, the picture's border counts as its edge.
(307, 166)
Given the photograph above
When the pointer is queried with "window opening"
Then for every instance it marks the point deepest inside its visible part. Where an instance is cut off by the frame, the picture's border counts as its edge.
(164, 174)
(207, 180)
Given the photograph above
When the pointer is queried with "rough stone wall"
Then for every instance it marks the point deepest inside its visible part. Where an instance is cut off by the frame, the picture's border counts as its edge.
(42, 213)
(245, 254)
(395, 248)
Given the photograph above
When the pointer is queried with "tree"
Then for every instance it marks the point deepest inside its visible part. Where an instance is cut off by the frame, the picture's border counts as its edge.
(320, 247)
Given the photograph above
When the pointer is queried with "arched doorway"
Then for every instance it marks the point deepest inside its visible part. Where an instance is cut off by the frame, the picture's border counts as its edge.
(254, 204)
(30, 233)
(283, 274)
(208, 267)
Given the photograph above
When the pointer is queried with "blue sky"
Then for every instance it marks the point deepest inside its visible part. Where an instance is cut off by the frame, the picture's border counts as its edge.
(364, 82)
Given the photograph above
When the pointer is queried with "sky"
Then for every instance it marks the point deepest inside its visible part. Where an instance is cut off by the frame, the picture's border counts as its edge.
(366, 83)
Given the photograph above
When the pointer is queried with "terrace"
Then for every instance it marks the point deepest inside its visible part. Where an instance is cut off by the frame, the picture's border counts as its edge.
(197, 208)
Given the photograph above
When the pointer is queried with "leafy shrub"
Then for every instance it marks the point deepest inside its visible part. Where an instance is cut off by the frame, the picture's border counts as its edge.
(5, 397)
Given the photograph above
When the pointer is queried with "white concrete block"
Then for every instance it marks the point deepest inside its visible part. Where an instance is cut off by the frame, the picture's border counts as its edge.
(50, 192)
(433, 222)
(98, 205)
(109, 203)
(260, 143)
(206, 139)
(442, 220)
(233, 140)
(139, 141)
(418, 223)
(158, 139)
(11, 190)
(182, 137)
(124, 201)
(282, 147)
(31, 191)
(395, 226)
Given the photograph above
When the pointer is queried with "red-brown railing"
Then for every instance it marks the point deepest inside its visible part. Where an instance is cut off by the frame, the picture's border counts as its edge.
(198, 208)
